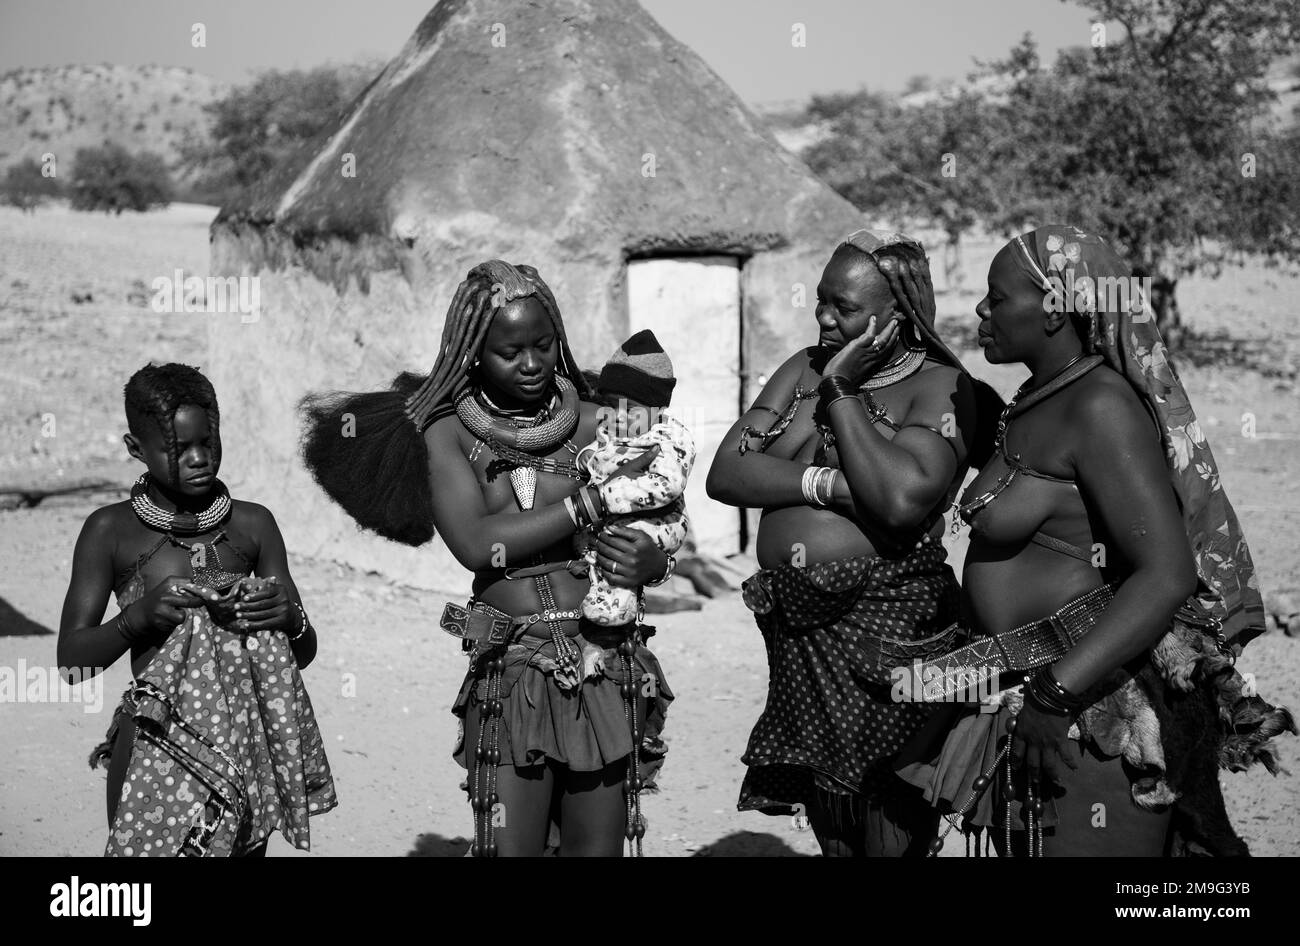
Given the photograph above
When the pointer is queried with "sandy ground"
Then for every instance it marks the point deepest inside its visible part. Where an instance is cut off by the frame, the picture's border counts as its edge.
(386, 675)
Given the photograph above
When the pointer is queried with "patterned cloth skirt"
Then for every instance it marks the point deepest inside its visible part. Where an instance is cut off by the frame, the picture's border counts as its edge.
(584, 728)
(834, 633)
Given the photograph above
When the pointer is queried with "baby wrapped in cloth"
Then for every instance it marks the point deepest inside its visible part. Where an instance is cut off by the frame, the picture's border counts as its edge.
(636, 387)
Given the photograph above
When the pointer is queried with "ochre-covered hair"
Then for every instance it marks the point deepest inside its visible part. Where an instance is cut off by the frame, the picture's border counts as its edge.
(488, 287)
(153, 395)
(367, 450)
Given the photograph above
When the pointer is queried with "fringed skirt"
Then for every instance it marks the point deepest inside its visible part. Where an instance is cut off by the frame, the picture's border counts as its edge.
(584, 728)
(835, 632)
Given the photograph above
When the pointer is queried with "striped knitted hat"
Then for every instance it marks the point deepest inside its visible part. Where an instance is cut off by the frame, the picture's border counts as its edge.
(639, 371)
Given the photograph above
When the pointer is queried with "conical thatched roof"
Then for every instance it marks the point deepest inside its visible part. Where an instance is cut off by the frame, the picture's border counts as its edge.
(548, 134)
(518, 131)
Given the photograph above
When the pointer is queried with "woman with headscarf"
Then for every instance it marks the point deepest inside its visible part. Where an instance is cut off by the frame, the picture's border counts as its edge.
(560, 718)
(1107, 572)
(853, 450)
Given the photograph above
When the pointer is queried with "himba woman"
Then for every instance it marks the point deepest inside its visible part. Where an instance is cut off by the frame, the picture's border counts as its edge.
(1103, 509)
(853, 450)
(482, 451)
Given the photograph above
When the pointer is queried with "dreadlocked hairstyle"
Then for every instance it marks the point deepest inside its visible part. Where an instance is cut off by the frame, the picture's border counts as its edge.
(367, 450)
(903, 264)
(155, 392)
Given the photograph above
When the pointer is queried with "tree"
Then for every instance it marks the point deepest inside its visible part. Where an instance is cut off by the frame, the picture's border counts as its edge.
(259, 126)
(112, 178)
(920, 163)
(26, 188)
(1161, 140)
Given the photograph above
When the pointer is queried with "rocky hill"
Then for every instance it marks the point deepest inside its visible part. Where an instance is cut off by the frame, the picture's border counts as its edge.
(59, 109)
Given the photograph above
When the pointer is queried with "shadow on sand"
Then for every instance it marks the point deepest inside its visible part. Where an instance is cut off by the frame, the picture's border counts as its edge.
(740, 844)
(435, 845)
(13, 623)
(748, 844)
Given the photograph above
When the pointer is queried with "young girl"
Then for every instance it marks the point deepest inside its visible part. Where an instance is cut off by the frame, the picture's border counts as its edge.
(214, 746)
(483, 450)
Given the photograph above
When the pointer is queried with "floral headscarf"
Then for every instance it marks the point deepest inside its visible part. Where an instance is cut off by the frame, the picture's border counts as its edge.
(1081, 273)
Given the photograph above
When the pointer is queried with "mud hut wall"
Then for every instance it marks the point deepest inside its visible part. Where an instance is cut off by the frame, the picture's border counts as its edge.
(775, 327)
(309, 337)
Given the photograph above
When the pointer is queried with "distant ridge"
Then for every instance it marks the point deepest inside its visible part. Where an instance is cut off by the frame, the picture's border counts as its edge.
(59, 109)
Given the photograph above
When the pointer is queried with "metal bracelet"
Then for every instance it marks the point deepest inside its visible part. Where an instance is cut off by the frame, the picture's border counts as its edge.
(668, 572)
(124, 628)
(302, 629)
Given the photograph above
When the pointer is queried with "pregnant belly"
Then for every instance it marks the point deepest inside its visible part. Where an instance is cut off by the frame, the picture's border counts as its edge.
(802, 535)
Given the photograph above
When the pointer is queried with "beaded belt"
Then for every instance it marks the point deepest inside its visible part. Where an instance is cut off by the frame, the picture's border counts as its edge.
(487, 626)
(1023, 648)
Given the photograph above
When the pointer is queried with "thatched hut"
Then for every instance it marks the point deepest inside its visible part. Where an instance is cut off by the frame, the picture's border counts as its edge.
(574, 135)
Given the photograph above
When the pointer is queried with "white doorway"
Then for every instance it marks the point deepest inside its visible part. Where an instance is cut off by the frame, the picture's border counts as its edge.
(692, 304)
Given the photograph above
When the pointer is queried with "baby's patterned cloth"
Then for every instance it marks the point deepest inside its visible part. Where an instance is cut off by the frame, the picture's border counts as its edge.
(651, 502)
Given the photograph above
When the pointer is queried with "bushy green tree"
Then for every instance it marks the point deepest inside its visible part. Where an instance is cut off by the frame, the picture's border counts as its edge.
(923, 162)
(1159, 135)
(260, 125)
(110, 178)
(26, 187)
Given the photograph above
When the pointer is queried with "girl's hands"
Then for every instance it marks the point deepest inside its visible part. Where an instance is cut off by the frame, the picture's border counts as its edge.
(1039, 744)
(627, 557)
(163, 606)
(267, 609)
(861, 358)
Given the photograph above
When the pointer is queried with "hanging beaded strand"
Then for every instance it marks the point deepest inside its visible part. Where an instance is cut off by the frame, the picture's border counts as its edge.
(487, 758)
(1075, 369)
(978, 788)
(634, 829)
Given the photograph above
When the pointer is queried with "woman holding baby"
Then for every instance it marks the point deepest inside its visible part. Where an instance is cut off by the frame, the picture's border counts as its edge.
(563, 703)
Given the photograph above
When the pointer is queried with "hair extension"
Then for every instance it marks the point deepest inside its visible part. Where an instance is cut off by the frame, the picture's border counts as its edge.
(156, 392)
(367, 450)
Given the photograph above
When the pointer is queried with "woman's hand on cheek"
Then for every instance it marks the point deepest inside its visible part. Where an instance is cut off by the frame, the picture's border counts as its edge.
(862, 357)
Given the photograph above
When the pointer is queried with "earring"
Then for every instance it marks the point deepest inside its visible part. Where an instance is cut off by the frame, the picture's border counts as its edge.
(912, 338)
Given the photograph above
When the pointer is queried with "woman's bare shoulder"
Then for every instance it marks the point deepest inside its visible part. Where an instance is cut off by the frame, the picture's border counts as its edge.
(794, 370)
(447, 436)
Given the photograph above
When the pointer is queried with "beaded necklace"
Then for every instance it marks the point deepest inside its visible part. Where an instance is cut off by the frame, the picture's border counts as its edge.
(904, 367)
(1020, 402)
(177, 522)
(542, 431)
(505, 435)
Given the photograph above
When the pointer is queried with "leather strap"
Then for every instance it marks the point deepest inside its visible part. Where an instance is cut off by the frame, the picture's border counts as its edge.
(1060, 545)
(487, 627)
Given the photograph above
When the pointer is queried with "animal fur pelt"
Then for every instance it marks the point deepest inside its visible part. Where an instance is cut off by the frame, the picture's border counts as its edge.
(1177, 719)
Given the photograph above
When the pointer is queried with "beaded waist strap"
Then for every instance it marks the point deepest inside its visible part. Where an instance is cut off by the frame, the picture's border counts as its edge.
(1023, 648)
(487, 626)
